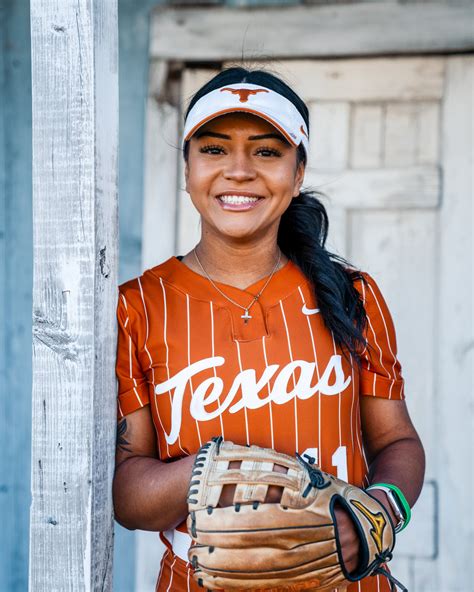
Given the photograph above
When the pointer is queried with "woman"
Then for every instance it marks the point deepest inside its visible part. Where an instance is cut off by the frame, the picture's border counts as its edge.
(213, 343)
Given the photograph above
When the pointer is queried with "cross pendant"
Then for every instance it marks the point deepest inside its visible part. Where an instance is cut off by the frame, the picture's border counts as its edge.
(246, 316)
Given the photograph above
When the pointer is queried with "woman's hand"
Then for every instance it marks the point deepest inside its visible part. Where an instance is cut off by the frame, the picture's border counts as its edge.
(348, 538)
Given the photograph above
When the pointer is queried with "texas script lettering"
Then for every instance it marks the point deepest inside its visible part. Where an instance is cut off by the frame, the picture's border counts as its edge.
(246, 384)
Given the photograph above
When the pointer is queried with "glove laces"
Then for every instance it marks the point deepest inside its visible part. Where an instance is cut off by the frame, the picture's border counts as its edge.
(393, 581)
(316, 478)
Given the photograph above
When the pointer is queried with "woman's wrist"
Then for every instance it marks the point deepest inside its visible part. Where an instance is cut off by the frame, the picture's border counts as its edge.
(381, 497)
(397, 501)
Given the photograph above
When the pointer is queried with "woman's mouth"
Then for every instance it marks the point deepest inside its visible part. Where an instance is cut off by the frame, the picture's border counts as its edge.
(238, 202)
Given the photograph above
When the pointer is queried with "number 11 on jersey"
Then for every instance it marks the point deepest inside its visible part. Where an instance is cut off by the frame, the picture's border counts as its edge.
(338, 460)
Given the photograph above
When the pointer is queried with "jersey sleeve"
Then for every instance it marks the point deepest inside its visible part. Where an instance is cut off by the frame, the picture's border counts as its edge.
(381, 372)
(132, 382)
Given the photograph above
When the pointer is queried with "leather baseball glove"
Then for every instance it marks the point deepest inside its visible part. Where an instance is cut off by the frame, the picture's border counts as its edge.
(291, 545)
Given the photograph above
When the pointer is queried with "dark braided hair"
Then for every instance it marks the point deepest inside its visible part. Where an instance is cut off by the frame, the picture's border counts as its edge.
(303, 232)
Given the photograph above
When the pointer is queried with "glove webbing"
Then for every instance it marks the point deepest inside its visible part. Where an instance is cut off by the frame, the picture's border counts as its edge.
(252, 479)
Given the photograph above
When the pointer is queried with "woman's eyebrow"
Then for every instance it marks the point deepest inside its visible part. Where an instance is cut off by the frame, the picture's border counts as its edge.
(276, 136)
(212, 135)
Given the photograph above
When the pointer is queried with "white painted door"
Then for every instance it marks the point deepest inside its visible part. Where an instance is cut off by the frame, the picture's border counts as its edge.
(392, 148)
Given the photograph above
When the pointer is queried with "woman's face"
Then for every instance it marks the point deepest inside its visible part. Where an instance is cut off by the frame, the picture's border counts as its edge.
(240, 154)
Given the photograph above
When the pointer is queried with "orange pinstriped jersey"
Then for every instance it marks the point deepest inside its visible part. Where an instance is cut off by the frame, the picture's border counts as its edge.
(277, 381)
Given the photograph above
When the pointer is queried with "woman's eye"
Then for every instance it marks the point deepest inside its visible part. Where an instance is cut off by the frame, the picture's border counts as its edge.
(265, 151)
(211, 149)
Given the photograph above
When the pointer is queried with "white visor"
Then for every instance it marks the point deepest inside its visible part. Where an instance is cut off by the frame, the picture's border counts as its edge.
(249, 98)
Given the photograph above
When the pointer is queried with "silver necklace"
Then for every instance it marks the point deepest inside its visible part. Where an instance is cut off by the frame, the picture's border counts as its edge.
(246, 315)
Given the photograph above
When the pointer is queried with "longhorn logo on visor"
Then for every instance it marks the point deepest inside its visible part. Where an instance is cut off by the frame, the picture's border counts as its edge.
(244, 93)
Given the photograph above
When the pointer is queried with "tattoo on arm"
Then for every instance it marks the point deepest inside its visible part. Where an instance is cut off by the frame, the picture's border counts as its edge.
(122, 443)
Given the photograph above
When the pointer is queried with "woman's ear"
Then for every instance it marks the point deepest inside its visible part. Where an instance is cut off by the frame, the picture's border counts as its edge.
(186, 175)
(299, 176)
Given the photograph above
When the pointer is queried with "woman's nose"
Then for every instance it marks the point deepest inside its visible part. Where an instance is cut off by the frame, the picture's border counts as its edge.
(239, 167)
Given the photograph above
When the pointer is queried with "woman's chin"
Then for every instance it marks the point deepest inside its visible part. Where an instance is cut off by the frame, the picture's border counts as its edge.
(237, 232)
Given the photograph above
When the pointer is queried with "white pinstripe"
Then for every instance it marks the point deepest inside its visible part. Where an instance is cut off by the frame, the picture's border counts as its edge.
(187, 579)
(352, 404)
(124, 302)
(359, 434)
(374, 382)
(214, 368)
(131, 371)
(172, 573)
(150, 359)
(245, 407)
(295, 404)
(380, 358)
(388, 341)
(339, 396)
(270, 409)
(151, 367)
(317, 372)
(161, 568)
(165, 324)
(188, 325)
(129, 354)
(147, 331)
(130, 357)
(363, 302)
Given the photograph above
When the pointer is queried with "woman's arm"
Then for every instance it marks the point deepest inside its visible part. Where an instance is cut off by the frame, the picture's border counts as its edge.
(394, 450)
(148, 494)
(395, 455)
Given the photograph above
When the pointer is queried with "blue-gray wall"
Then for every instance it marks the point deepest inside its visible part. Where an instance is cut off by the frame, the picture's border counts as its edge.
(15, 292)
(133, 77)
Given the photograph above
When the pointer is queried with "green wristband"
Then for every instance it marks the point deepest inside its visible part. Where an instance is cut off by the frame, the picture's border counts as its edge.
(405, 508)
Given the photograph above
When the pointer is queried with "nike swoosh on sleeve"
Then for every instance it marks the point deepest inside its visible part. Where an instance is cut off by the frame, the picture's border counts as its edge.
(309, 311)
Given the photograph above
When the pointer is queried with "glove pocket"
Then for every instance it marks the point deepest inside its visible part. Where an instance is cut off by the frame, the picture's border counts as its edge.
(312, 560)
(266, 525)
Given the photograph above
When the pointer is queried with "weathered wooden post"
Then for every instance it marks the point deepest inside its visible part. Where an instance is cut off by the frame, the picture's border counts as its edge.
(75, 136)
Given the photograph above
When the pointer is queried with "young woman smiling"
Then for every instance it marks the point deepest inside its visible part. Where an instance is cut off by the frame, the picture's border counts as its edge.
(206, 340)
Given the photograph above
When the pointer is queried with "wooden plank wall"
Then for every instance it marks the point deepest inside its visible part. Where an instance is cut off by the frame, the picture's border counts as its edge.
(455, 346)
(75, 143)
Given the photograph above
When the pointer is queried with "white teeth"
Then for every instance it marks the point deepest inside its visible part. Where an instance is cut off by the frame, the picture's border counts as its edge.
(237, 199)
